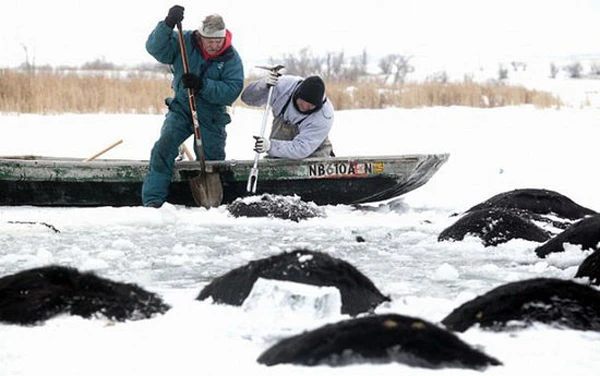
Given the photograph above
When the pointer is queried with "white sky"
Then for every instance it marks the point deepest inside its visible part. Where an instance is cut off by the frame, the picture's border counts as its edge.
(75, 31)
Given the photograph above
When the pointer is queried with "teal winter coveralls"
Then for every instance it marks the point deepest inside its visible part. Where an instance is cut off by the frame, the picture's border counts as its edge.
(223, 78)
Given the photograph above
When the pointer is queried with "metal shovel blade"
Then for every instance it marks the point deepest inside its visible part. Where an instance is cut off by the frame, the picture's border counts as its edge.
(252, 180)
(207, 190)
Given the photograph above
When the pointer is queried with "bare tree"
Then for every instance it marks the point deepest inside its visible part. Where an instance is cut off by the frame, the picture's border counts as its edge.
(333, 67)
(304, 64)
(519, 65)
(99, 63)
(386, 64)
(362, 62)
(595, 68)
(438, 77)
(28, 64)
(396, 65)
(574, 70)
(502, 72)
(553, 70)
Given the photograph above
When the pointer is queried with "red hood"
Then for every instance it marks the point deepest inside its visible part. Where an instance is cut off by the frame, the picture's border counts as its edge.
(225, 46)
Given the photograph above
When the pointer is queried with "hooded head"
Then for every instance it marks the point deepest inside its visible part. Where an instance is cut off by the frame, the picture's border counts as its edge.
(212, 27)
(312, 90)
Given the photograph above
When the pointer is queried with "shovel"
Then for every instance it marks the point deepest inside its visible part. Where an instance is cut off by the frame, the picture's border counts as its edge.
(206, 188)
(253, 177)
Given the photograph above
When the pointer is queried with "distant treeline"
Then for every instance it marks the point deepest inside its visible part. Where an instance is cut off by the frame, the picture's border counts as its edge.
(338, 67)
(101, 86)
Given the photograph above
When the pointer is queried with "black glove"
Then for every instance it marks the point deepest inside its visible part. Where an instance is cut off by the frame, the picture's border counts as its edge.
(175, 16)
(192, 81)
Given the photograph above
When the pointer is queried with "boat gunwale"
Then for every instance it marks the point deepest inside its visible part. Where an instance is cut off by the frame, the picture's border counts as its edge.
(211, 166)
(34, 159)
(399, 174)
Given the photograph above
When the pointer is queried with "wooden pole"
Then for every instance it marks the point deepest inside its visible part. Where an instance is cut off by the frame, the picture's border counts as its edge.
(103, 151)
(188, 153)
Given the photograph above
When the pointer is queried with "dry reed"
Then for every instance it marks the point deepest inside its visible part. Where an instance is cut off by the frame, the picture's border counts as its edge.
(52, 92)
(415, 95)
(60, 92)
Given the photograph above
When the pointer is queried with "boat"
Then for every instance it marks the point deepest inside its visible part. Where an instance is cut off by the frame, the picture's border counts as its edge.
(51, 181)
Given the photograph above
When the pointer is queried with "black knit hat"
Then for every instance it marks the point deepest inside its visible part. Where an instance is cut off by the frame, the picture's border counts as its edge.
(312, 90)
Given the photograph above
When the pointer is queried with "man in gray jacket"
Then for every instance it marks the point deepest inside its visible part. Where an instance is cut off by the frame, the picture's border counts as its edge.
(303, 116)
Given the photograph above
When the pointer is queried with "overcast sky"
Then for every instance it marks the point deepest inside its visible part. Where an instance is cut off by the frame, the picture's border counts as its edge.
(75, 31)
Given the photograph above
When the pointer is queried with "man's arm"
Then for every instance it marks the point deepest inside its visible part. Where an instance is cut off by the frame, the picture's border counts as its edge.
(256, 93)
(162, 44)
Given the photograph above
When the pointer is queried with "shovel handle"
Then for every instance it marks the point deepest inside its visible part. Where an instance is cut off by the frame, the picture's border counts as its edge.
(197, 134)
(253, 177)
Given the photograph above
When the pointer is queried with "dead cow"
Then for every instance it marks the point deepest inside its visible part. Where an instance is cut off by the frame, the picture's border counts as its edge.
(547, 300)
(32, 296)
(357, 291)
(378, 339)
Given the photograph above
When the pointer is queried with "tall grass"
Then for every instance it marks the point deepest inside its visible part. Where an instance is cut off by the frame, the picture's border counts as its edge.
(59, 92)
(55, 92)
(415, 95)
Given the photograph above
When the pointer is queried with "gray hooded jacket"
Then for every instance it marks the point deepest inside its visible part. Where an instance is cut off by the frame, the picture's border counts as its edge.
(313, 128)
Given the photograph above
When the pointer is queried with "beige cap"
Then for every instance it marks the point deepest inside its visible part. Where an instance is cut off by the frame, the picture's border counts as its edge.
(212, 27)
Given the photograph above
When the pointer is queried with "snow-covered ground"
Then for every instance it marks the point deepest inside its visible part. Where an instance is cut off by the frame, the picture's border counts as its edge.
(175, 250)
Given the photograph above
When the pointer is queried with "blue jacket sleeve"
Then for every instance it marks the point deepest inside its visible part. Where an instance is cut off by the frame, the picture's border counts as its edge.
(162, 44)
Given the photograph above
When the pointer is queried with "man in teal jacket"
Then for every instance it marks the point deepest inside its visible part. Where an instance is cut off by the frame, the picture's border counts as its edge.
(216, 77)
